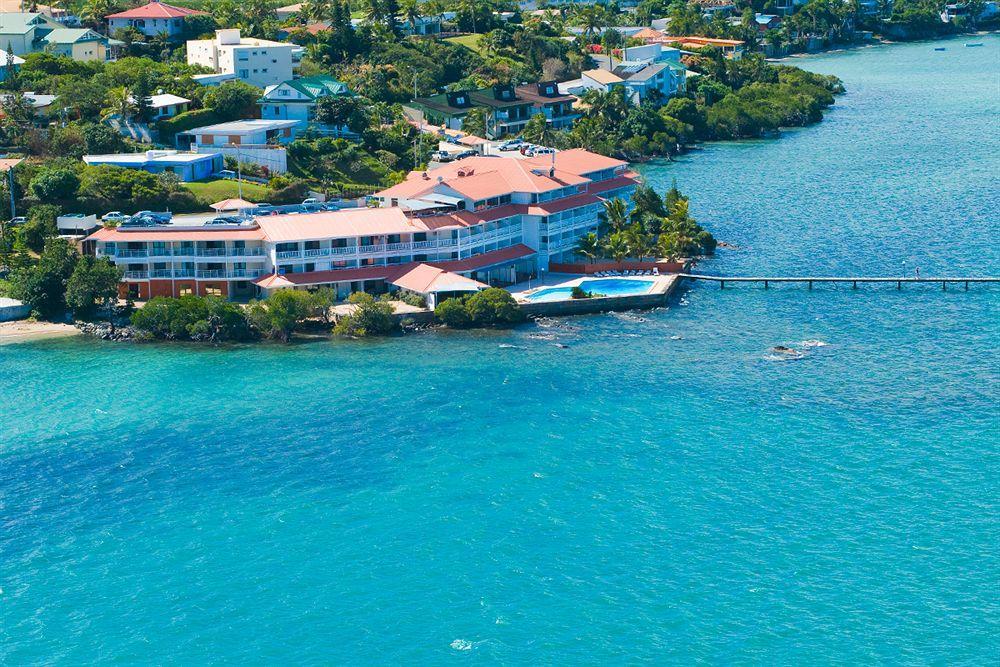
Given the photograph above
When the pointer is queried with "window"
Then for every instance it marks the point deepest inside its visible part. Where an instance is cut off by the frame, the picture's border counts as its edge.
(212, 289)
(185, 289)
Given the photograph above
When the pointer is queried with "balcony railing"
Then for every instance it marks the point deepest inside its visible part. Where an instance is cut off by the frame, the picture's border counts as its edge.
(211, 252)
(132, 253)
(182, 252)
(288, 254)
(136, 275)
(214, 273)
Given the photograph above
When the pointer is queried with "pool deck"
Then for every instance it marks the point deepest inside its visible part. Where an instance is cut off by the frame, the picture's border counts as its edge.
(521, 291)
(658, 294)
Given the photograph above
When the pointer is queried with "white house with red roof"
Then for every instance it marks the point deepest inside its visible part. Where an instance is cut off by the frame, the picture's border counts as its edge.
(480, 220)
(154, 18)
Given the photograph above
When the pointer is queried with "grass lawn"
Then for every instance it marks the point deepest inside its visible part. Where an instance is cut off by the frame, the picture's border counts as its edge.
(468, 41)
(209, 192)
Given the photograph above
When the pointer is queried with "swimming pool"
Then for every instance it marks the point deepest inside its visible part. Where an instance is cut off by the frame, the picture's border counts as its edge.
(602, 287)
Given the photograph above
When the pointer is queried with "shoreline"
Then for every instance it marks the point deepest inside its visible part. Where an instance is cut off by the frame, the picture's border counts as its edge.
(881, 41)
(19, 331)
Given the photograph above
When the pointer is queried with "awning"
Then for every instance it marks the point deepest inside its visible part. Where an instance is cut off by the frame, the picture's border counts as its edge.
(234, 204)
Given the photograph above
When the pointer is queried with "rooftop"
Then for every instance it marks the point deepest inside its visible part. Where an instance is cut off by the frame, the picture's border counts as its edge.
(313, 87)
(149, 157)
(156, 10)
(243, 127)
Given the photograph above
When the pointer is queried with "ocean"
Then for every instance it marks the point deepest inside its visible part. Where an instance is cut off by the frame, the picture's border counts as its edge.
(664, 489)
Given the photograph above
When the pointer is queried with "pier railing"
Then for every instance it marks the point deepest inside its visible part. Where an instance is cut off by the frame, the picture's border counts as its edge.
(944, 281)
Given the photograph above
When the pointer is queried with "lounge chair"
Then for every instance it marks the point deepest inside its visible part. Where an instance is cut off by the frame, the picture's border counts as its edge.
(656, 270)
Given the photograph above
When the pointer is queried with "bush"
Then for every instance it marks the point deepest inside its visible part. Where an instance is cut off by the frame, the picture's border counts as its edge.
(41, 225)
(42, 286)
(93, 285)
(281, 313)
(409, 298)
(52, 184)
(370, 317)
(489, 308)
(452, 313)
(193, 318)
(579, 293)
(493, 306)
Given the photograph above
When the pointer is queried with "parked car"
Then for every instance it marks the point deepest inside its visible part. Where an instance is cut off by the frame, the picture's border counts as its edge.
(465, 154)
(227, 173)
(539, 150)
(116, 217)
(510, 144)
(310, 200)
(442, 156)
(162, 217)
(19, 220)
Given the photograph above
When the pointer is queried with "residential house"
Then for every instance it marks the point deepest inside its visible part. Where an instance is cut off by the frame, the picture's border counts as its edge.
(258, 141)
(186, 166)
(474, 222)
(288, 11)
(154, 18)
(165, 105)
(296, 99)
(641, 80)
(507, 112)
(546, 99)
(259, 62)
(446, 109)
(731, 48)
(9, 60)
(765, 22)
(78, 43)
(23, 32)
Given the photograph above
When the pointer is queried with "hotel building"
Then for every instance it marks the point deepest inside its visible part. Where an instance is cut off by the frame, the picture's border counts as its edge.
(495, 220)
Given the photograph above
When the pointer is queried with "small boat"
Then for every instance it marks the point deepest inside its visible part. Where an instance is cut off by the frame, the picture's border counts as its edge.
(940, 48)
(971, 44)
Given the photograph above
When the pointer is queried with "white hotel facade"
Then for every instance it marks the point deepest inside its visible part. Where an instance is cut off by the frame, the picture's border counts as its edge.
(495, 220)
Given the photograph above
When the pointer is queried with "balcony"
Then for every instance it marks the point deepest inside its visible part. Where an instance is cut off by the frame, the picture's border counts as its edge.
(136, 275)
(371, 249)
(246, 273)
(246, 252)
(161, 273)
(131, 253)
(317, 252)
(288, 254)
(211, 252)
(214, 273)
(183, 273)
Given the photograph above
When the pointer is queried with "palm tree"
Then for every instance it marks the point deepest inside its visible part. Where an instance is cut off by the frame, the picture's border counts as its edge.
(589, 246)
(639, 242)
(616, 247)
(94, 11)
(411, 12)
(318, 10)
(119, 102)
(591, 19)
(616, 213)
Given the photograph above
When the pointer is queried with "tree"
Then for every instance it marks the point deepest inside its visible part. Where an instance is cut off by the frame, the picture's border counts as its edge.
(493, 306)
(537, 131)
(193, 318)
(452, 313)
(119, 102)
(616, 247)
(54, 184)
(322, 301)
(101, 139)
(94, 11)
(474, 122)
(343, 111)
(669, 246)
(616, 213)
(41, 225)
(369, 317)
(640, 244)
(43, 285)
(280, 314)
(647, 201)
(233, 100)
(92, 286)
(589, 246)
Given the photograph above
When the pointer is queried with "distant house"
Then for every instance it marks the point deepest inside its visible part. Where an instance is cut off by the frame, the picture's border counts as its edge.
(257, 141)
(23, 32)
(767, 22)
(259, 62)
(731, 48)
(165, 105)
(41, 105)
(288, 11)
(508, 111)
(546, 99)
(187, 166)
(77, 43)
(641, 80)
(155, 18)
(11, 60)
(296, 99)
(425, 25)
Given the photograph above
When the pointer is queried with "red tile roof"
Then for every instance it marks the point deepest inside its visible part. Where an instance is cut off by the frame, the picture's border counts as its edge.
(160, 234)
(156, 10)
(390, 273)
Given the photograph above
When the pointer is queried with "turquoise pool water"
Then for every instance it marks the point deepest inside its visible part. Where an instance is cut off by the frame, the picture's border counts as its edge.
(662, 489)
(603, 287)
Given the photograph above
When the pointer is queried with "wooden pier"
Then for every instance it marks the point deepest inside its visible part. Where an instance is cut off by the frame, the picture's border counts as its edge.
(810, 280)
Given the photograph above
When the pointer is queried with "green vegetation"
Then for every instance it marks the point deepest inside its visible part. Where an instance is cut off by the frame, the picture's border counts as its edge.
(579, 293)
(92, 286)
(193, 318)
(371, 317)
(281, 314)
(209, 192)
(660, 227)
(491, 307)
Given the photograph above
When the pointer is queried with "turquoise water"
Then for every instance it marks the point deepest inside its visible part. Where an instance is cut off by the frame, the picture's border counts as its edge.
(660, 490)
(606, 287)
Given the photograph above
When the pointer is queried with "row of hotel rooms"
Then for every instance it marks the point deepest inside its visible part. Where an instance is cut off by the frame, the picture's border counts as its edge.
(495, 220)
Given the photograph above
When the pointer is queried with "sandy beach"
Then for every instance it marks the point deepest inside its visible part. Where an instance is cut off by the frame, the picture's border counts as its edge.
(23, 330)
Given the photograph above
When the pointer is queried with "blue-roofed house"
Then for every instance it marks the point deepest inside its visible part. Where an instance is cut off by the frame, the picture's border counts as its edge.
(187, 166)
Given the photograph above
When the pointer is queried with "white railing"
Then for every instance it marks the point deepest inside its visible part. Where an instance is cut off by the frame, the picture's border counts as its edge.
(136, 275)
(317, 252)
(211, 252)
(132, 253)
(288, 254)
(216, 273)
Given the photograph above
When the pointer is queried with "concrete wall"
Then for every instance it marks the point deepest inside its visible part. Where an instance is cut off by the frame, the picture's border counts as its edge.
(597, 304)
(12, 309)
(588, 269)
